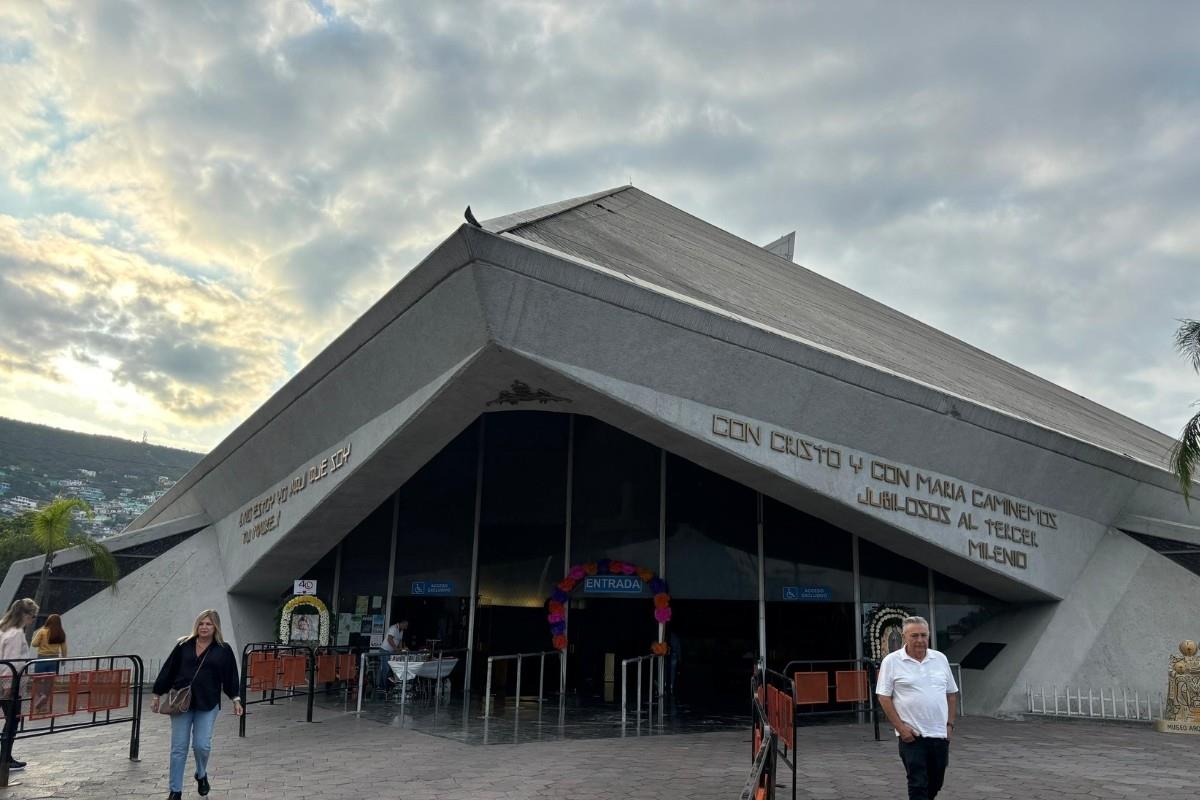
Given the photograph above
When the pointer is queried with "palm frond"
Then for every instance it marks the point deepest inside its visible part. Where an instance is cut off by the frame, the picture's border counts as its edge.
(1185, 456)
(1187, 341)
(52, 524)
(104, 564)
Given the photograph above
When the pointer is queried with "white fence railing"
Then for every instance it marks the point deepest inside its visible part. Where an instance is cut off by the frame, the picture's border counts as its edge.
(1107, 703)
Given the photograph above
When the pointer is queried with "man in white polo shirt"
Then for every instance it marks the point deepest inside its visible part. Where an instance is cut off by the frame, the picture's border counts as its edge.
(917, 692)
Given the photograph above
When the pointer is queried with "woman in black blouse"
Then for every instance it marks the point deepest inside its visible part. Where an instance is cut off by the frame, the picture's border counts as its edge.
(204, 661)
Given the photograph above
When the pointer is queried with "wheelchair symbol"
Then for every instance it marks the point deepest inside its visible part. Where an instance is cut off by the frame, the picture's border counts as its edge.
(791, 593)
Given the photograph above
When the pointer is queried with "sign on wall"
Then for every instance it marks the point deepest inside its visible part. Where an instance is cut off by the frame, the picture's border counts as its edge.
(424, 588)
(304, 587)
(808, 594)
(612, 584)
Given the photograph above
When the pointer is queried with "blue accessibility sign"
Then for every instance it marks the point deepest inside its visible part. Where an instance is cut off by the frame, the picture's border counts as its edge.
(807, 594)
(432, 587)
(612, 584)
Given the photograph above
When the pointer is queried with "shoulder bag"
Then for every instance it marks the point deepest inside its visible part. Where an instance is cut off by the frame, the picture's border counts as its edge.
(177, 701)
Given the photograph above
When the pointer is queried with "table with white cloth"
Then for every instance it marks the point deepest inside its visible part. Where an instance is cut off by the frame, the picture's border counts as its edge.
(409, 666)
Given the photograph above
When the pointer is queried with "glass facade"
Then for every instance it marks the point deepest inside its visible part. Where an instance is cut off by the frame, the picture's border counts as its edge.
(557, 486)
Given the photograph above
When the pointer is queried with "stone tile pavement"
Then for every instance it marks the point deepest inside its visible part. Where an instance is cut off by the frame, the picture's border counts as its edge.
(344, 757)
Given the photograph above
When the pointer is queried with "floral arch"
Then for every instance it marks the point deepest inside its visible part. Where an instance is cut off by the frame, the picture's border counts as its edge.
(557, 609)
(285, 620)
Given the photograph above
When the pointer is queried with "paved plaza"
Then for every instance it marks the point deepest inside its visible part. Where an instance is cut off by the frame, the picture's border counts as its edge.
(342, 756)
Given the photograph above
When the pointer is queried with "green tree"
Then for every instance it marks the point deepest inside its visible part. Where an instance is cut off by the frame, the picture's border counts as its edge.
(16, 540)
(52, 532)
(1185, 456)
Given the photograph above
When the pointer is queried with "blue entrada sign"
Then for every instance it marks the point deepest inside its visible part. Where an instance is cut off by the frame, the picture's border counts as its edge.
(807, 593)
(612, 584)
(432, 587)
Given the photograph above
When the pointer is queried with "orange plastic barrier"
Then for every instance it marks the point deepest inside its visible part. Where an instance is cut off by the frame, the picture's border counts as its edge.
(106, 689)
(262, 668)
(326, 668)
(347, 667)
(852, 686)
(294, 669)
(812, 688)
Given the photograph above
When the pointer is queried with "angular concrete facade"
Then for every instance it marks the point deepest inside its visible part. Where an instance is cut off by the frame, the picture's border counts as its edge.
(722, 353)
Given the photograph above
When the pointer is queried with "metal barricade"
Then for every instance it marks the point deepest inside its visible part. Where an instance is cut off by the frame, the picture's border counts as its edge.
(519, 658)
(1136, 705)
(112, 683)
(853, 686)
(764, 743)
(639, 660)
(276, 671)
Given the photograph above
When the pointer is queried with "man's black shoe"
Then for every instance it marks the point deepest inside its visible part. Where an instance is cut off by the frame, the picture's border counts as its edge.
(202, 785)
(14, 765)
(175, 796)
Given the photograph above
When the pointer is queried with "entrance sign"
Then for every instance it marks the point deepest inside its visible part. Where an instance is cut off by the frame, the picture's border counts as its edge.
(612, 584)
(433, 587)
(304, 587)
(808, 594)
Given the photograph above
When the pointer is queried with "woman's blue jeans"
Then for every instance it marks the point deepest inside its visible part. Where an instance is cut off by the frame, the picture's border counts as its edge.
(198, 727)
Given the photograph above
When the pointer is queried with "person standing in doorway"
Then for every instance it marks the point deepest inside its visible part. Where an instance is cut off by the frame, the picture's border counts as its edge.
(393, 642)
(918, 694)
(206, 663)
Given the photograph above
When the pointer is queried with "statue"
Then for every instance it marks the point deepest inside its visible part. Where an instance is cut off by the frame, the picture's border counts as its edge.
(1182, 712)
(1183, 685)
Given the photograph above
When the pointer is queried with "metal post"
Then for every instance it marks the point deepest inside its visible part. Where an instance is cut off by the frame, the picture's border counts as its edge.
(135, 737)
(567, 537)
(624, 703)
(312, 684)
(11, 707)
(933, 642)
(437, 684)
(639, 691)
(337, 580)
(962, 706)
(487, 690)
(391, 580)
(517, 704)
(362, 677)
(562, 681)
(762, 580)
(475, 568)
(541, 677)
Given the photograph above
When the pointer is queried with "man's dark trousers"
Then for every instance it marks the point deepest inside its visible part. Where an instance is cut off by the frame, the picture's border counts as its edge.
(925, 760)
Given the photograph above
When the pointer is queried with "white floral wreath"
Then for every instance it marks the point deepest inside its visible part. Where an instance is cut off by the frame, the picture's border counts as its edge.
(879, 619)
(285, 619)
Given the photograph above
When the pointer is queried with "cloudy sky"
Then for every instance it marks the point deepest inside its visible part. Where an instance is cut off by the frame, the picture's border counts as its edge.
(196, 196)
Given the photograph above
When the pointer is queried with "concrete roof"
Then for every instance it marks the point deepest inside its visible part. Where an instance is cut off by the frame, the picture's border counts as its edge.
(634, 233)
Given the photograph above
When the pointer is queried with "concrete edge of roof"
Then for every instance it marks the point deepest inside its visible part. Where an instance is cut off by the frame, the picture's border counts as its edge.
(19, 570)
(519, 219)
(463, 246)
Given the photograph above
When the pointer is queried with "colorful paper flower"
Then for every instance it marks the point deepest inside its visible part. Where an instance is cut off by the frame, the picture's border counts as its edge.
(556, 604)
(566, 584)
(615, 567)
(645, 574)
(590, 568)
(628, 569)
(661, 600)
(662, 614)
(576, 572)
(660, 648)
(602, 566)
(560, 641)
(558, 628)
(555, 607)
(555, 616)
(559, 595)
(658, 585)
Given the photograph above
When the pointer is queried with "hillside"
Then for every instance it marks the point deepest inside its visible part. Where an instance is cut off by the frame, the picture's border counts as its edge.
(118, 477)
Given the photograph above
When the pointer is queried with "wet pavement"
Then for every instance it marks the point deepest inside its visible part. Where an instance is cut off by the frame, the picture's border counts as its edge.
(441, 754)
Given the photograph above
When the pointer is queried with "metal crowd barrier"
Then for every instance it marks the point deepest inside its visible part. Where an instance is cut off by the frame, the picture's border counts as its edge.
(764, 744)
(1113, 706)
(280, 672)
(98, 691)
(650, 687)
(519, 657)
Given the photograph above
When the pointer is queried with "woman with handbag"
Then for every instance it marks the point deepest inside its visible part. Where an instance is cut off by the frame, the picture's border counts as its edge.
(50, 642)
(14, 650)
(189, 687)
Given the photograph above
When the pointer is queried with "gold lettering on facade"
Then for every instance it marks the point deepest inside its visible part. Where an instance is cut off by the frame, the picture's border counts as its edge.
(262, 515)
(929, 498)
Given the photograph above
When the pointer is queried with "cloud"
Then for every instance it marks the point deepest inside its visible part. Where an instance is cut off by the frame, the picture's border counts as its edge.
(1021, 177)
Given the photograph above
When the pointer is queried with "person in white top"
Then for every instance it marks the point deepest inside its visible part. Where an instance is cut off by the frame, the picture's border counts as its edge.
(393, 642)
(916, 690)
(15, 651)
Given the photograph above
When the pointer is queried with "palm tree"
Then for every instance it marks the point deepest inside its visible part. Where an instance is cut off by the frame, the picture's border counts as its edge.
(1185, 455)
(52, 533)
